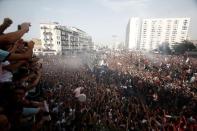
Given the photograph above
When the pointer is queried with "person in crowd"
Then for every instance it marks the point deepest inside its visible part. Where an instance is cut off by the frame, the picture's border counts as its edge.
(131, 91)
(141, 95)
(20, 73)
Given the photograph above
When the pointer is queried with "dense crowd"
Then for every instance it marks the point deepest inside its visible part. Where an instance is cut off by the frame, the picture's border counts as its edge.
(167, 83)
(127, 90)
(20, 73)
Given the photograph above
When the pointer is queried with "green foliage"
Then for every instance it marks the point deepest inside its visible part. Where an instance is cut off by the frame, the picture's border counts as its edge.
(181, 48)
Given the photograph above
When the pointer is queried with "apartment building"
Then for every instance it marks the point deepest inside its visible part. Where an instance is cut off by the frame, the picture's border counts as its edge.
(59, 40)
(133, 33)
(153, 32)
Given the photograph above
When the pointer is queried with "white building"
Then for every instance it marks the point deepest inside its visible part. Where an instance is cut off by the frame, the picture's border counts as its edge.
(50, 37)
(162, 30)
(58, 40)
(37, 47)
(167, 30)
(133, 33)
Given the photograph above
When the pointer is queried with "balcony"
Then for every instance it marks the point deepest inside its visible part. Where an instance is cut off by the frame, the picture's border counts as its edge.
(47, 33)
(48, 45)
(48, 39)
(44, 27)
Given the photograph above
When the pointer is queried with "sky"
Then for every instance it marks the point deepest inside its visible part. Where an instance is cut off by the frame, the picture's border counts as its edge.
(102, 19)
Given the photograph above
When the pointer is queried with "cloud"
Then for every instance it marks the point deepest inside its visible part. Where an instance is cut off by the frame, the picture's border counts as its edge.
(121, 5)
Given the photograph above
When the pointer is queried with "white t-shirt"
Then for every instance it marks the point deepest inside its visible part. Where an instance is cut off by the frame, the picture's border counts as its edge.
(77, 91)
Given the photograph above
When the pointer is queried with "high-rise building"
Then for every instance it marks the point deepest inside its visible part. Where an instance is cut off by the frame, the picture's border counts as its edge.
(57, 39)
(162, 30)
(133, 33)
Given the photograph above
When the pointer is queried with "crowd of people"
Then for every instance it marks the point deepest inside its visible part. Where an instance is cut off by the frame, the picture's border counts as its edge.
(126, 91)
(166, 82)
(20, 73)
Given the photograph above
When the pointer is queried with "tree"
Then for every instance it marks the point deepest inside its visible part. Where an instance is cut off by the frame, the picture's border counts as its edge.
(121, 45)
(181, 48)
(164, 48)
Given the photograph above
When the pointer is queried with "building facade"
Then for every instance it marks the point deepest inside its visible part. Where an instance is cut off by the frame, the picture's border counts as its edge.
(133, 33)
(37, 46)
(162, 30)
(59, 40)
(75, 40)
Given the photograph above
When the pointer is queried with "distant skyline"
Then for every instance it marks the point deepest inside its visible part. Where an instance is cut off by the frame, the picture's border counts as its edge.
(99, 18)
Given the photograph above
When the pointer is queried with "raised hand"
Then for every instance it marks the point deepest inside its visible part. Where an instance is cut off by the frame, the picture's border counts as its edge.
(25, 26)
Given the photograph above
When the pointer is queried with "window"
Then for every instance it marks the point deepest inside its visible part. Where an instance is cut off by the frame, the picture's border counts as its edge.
(184, 28)
(176, 22)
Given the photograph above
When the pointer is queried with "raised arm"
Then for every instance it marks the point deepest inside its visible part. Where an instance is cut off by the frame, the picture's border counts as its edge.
(6, 23)
(24, 56)
(12, 37)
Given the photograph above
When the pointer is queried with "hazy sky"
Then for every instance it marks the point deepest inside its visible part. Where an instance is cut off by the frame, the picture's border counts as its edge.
(99, 18)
